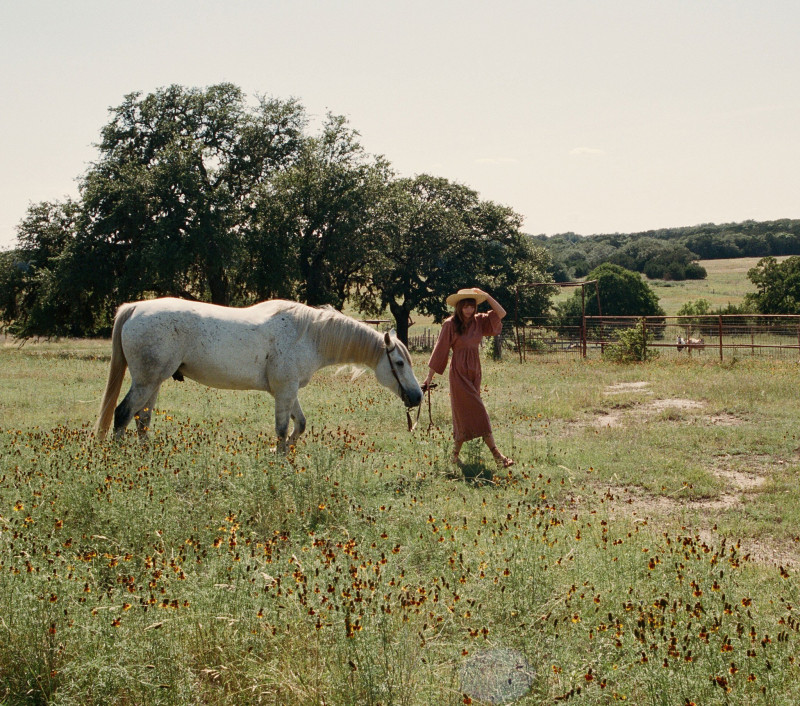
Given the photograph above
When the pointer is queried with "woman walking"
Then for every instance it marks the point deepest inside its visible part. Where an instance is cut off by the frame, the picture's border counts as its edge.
(462, 333)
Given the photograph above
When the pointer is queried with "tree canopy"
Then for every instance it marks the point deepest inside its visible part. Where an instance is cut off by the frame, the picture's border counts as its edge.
(202, 194)
(622, 293)
(178, 174)
(436, 236)
(778, 285)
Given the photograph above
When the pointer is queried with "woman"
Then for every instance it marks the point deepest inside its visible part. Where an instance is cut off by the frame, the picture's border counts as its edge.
(463, 332)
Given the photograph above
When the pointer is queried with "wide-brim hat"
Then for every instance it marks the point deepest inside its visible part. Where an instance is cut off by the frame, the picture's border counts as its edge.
(470, 293)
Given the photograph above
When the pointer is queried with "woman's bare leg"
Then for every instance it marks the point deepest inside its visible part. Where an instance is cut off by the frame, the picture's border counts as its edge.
(457, 450)
(500, 460)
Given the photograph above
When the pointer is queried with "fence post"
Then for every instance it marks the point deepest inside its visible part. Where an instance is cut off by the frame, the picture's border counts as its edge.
(583, 322)
(516, 324)
(720, 338)
(644, 339)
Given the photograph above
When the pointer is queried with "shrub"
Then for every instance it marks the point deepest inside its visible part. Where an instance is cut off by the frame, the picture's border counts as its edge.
(695, 270)
(631, 346)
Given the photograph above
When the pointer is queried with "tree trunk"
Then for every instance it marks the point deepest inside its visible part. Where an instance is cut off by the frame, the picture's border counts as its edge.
(497, 347)
(402, 315)
(218, 287)
(215, 265)
(315, 276)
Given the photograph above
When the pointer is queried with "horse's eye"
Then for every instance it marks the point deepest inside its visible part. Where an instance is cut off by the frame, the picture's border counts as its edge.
(400, 363)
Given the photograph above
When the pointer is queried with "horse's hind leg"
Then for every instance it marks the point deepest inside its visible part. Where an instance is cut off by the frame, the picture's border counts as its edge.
(143, 416)
(134, 403)
(299, 420)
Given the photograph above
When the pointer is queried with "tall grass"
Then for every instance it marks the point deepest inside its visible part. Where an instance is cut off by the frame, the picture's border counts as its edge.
(623, 556)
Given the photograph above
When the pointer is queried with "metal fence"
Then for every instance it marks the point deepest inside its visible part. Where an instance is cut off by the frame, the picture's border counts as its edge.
(721, 336)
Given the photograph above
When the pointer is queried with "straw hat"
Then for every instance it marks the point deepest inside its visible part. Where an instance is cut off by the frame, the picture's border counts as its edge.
(470, 293)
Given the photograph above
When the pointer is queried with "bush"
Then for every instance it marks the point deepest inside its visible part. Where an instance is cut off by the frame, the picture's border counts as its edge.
(695, 270)
(631, 346)
(701, 307)
(675, 271)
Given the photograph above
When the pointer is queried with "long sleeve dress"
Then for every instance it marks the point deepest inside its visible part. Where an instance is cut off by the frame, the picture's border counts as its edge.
(470, 419)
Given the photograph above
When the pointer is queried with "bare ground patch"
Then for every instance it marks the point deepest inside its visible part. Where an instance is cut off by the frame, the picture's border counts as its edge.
(620, 387)
(744, 473)
(741, 474)
(636, 413)
(679, 408)
(770, 551)
(673, 403)
(640, 505)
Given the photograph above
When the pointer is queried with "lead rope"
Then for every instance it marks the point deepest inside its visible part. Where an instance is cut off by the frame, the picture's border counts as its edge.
(413, 426)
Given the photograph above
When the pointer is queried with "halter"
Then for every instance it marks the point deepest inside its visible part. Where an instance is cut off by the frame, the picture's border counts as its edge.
(404, 397)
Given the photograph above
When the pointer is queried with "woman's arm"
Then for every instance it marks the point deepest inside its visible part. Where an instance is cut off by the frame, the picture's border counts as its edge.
(492, 302)
(441, 352)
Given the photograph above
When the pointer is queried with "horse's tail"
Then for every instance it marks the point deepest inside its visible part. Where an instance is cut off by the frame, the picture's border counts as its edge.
(116, 372)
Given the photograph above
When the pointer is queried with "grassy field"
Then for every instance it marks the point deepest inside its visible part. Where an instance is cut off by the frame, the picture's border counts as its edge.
(643, 549)
(726, 283)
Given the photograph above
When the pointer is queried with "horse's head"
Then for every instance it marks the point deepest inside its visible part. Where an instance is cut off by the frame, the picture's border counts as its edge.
(394, 371)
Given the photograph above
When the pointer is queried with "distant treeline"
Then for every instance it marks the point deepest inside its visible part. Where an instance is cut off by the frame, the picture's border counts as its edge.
(670, 253)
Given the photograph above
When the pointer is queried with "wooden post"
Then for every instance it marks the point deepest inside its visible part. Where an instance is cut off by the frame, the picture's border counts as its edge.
(720, 338)
(583, 321)
(516, 324)
(644, 339)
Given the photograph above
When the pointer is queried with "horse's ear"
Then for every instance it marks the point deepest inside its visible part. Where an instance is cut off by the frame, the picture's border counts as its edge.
(387, 340)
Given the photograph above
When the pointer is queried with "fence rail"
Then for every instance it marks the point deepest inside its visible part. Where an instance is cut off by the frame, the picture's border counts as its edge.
(719, 335)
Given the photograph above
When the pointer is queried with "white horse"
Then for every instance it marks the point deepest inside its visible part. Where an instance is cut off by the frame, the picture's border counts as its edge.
(690, 343)
(274, 346)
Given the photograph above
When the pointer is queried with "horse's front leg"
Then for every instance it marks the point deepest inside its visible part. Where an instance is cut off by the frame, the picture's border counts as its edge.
(285, 402)
(299, 420)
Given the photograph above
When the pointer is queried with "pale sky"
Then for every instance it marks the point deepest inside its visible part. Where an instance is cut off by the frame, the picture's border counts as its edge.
(591, 116)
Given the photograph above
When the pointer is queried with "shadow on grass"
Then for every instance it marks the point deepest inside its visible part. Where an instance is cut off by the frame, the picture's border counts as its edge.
(473, 473)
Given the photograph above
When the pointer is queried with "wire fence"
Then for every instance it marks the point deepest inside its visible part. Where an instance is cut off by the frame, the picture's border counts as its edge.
(722, 336)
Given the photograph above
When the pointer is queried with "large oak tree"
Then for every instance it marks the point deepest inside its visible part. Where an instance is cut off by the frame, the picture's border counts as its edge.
(438, 236)
(176, 180)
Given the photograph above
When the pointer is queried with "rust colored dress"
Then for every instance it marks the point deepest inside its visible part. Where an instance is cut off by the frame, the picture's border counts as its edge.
(470, 419)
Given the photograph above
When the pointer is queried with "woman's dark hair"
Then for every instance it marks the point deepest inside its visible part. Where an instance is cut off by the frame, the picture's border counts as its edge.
(458, 319)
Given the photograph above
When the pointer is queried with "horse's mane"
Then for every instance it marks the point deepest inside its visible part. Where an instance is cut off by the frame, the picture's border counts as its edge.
(338, 337)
